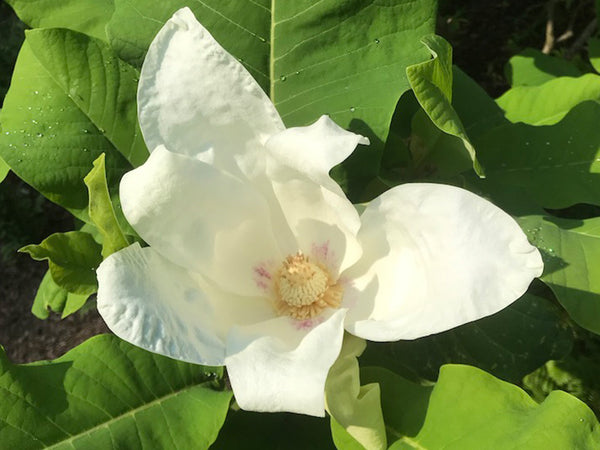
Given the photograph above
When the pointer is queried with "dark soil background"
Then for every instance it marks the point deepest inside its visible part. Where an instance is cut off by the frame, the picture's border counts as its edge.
(483, 33)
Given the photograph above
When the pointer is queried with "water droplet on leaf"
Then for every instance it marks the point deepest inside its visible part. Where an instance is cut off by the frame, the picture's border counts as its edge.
(283, 78)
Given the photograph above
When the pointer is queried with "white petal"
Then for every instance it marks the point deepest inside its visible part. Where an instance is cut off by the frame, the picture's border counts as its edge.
(156, 305)
(325, 224)
(193, 96)
(200, 218)
(279, 366)
(435, 257)
(314, 150)
(314, 206)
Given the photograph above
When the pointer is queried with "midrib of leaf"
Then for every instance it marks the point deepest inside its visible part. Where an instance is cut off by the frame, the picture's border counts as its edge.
(132, 412)
(272, 54)
(84, 111)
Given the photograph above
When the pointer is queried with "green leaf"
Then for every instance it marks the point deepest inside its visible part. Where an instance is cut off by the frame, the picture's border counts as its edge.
(86, 16)
(73, 304)
(101, 210)
(4, 169)
(559, 164)
(345, 59)
(107, 393)
(571, 252)
(576, 374)
(72, 258)
(549, 103)
(51, 297)
(431, 81)
(404, 403)
(470, 409)
(594, 53)
(509, 344)
(440, 155)
(355, 410)
(70, 100)
(532, 68)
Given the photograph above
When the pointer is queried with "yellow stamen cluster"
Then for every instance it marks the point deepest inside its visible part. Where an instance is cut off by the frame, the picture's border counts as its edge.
(303, 288)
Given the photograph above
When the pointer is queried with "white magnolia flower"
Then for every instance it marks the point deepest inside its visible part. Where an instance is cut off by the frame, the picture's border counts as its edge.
(257, 260)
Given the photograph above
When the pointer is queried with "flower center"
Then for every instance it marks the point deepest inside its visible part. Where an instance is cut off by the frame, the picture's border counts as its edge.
(304, 288)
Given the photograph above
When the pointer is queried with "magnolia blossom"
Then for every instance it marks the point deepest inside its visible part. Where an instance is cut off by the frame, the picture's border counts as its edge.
(257, 260)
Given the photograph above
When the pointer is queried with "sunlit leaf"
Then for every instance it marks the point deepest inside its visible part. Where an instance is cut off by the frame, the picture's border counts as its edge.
(532, 68)
(86, 16)
(470, 409)
(107, 394)
(549, 103)
(70, 100)
(101, 210)
(4, 169)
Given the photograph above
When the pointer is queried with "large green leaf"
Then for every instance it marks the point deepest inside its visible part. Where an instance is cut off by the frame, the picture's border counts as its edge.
(571, 251)
(107, 394)
(70, 100)
(557, 164)
(431, 81)
(509, 344)
(346, 59)
(72, 259)
(470, 409)
(549, 103)
(86, 16)
(532, 67)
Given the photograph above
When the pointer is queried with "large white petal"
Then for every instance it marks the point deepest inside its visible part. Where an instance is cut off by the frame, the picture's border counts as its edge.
(280, 366)
(200, 218)
(316, 209)
(154, 304)
(194, 97)
(435, 257)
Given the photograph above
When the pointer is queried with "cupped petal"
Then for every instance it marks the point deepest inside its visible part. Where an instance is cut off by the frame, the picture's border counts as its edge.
(315, 149)
(435, 257)
(282, 364)
(201, 218)
(156, 305)
(324, 222)
(194, 97)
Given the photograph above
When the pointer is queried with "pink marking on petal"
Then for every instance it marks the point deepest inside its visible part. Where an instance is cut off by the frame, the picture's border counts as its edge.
(262, 272)
(321, 252)
(262, 276)
(307, 324)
